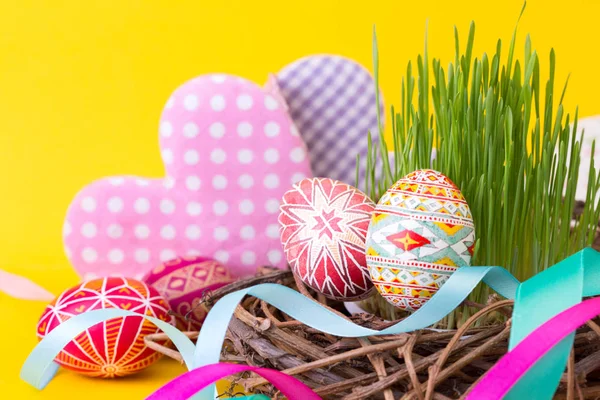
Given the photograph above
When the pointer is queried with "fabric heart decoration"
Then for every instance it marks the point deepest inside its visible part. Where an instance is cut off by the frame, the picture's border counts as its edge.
(230, 151)
(331, 99)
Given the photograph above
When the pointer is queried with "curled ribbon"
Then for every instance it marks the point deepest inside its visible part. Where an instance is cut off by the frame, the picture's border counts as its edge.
(535, 303)
(510, 368)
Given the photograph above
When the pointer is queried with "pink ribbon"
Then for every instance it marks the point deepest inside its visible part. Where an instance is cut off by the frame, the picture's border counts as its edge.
(506, 373)
(22, 288)
(185, 386)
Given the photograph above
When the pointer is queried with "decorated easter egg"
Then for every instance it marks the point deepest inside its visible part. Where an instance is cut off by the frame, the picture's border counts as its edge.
(113, 348)
(184, 281)
(323, 228)
(420, 233)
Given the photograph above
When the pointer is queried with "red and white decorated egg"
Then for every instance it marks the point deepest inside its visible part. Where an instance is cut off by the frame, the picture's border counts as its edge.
(113, 348)
(184, 281)
(323, 229)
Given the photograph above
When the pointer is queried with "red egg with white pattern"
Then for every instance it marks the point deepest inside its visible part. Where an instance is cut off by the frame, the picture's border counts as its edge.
(113, 348)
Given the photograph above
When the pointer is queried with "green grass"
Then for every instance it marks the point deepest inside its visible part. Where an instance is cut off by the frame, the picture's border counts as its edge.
(501, 133)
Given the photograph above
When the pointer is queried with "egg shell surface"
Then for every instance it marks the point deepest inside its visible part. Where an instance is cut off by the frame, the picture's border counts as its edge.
(113, 348)
(184, 281)
(323, 228)
(420, 233)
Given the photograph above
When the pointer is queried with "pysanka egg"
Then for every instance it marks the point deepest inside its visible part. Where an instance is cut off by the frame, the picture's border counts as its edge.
(113, 348)
(184, 281)
(420, 233)
(324, 224)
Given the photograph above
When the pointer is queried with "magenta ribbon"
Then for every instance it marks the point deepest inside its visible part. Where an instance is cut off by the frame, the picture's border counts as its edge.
(510, 368)
(187, 385)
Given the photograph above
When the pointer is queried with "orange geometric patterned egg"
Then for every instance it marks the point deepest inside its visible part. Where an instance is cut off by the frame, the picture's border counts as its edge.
(113, 348)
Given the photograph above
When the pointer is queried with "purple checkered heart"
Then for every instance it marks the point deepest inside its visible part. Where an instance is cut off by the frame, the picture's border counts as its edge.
(332, 102)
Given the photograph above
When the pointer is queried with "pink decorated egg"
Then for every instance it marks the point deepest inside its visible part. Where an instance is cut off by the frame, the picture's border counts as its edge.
(113, 348)
(184, 281)
(323, 228)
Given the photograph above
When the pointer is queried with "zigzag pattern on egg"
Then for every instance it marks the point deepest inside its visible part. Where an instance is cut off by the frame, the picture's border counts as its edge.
(420, 233)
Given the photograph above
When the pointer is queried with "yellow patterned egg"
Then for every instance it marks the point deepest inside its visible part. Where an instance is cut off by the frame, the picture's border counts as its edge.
(420, 233)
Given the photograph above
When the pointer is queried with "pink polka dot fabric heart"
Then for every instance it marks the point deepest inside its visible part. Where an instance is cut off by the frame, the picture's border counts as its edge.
(230, 152)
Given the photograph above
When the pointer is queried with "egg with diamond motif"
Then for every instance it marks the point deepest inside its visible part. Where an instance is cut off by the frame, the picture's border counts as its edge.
(324, 223)
(420, 233)
(113, 348)
(184, 282)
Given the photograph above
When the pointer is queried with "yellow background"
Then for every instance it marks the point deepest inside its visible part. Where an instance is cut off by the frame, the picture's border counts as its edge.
(83, 83)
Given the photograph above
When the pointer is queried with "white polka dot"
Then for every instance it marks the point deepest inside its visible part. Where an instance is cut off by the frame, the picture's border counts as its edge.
(192, 232)
(68, 253)
(117, 181)
(89, 255)
(190, 130)
(166, 129)
(115, 204)
(273, 231)
(297, 177)
(192, 182)
(221, 256)
(220, 207)
(193, 208)
(272, 129)
(244, 102)
(193, 253)
(294, 131)
(221, 233)
(67, 229)
(141, 205)
(217, 103)
(274, 256)
(167, 156)
(246, 181)
(271, 181)
(89, 230)
(248, 257)
(142, 256)
(244, 129)
(218, 156)
(246, 207)
(114, 231)
(88, 204)
(219, 182)
(247, 232)
(190, 102)
(167, 232)
(169, 182)
(217, 130)
(116, 256)
(170, 103)
(272, 206)
(245, 156)
(89, 276)
(167, 255)
(191, 157)
(271, 156)
(218, 78)
(271, 103)
(141, 231)
(297, 155)
(142, 182)
(167, 206)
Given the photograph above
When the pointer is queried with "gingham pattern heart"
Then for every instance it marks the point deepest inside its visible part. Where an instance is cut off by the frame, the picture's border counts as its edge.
(332, 102)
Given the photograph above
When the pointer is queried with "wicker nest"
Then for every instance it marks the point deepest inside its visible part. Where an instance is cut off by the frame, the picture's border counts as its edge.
(424, 365)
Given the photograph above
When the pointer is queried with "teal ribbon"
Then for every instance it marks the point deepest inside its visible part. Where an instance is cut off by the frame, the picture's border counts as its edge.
(536, 301)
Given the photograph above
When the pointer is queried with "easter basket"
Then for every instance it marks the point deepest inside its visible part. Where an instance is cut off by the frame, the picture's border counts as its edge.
(426, 364)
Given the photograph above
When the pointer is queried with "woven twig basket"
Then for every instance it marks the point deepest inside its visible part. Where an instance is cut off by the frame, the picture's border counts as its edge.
(423, 365)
